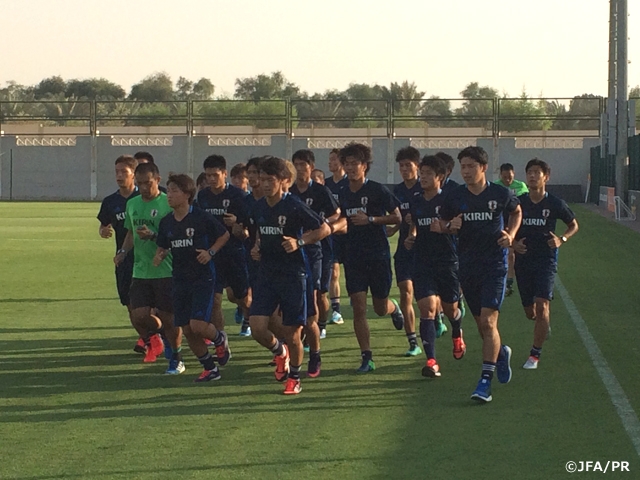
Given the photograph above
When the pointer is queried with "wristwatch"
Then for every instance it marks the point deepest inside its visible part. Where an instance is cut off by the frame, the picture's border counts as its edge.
(370, 219)
(211, 252)
(122, 250)
(300, 242)
(564, 239)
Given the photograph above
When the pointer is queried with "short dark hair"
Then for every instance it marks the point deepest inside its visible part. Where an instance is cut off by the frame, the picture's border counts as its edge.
(434, 163)
(257, 162)
(215, 161)
(148, 167)
(448, 160)
(536, 162)
(144, 156)
(359, 151)
(476, 153)
(506, 167)
(335, 151)
(305, 155)
(185, 183)
(277, 167)
(202, 178)
(128, 160)
(408, 153)
(317, 170)
(238, 169)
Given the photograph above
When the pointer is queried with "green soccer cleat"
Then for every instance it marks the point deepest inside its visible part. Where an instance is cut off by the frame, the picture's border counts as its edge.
(414, 351)
(441, 328)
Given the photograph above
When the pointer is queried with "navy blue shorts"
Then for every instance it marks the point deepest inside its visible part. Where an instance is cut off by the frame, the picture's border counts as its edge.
(338, 248)
(368, 273)
(252, 268)
(124, 273)
(535, 278)
(192, 301)
(440, 280)
(403, 263)
(287, 291)
(483, 286)
(231, 271)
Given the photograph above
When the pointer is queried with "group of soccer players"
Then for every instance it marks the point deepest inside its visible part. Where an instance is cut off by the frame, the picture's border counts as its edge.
(277, 251)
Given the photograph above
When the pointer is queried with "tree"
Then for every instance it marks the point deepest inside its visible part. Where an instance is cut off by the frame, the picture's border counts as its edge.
(94, 89)
(153, 88)
(49, 87)
(203, 89)
(635, 92)
(265, 87)
(522, 114)
(478, 105)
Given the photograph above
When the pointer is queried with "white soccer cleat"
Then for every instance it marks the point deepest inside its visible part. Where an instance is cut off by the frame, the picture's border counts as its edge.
(531, 363)
(336, 319)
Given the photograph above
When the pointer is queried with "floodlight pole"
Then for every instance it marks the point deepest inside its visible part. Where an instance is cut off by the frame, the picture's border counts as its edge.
(609, 147)
(622, 98)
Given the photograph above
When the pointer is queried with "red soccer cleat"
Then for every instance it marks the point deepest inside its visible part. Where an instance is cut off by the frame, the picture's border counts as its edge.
(157, 345)
(282, 364)
(292, 387)
(459, 347)
(139, 348)
(431, 369)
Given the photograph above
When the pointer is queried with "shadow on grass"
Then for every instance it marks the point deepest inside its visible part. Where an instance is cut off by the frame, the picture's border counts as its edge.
(55, 300)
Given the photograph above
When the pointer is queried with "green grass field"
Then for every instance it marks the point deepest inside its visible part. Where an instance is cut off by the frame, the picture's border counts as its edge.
(76, 402)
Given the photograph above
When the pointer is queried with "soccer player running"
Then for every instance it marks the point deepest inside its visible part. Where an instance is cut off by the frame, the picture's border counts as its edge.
(319, 199)
(335, 183)
(435, 264)
(151, 286)
(111, 216)
(408, 159)
(508, 179)
(536, 248)
(193, 237)
(284, 225)
(366, 207)
(227, 204)
(475, 211)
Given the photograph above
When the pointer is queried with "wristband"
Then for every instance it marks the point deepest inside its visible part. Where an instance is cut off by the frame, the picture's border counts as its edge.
(211, 252)
(448, 225)
(122, 250)
(370, 219)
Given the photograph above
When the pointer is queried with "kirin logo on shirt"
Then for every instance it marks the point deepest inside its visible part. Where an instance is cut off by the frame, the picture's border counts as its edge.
(546, 212)
(364, 201)
(190, 232)
(154, 213)
(226, 202)
(309, 201)
(493, 205)
(282, 220)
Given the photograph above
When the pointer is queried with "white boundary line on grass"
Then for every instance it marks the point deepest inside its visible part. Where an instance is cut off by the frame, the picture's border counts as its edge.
(619, 399)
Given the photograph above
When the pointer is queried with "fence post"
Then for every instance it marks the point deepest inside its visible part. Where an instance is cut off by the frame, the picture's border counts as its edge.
(496, 135)
(94, 150)
(390, 141)
(190, 133)
(288, 128)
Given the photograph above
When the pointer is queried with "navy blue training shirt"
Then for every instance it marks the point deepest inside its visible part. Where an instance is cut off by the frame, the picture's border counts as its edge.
(319, 199)
(448, 185)
(198, 230)
(374, 199)
(230, 200)
(482, 222)
(113, 211)
(289, 217)
(538, 220)
(430, 248)
(335, 187)
(404, 196)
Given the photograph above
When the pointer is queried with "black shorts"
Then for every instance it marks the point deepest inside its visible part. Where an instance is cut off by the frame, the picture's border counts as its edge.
(440, 280)
(535, 278)
(124, 273)
(231, 271)
(483, 286)
(327, 269)
(287, 291)
(370, 272)
(192, 301)
(403, 264)
(153, 293)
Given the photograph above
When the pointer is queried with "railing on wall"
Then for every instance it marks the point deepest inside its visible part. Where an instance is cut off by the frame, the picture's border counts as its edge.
(419, 118)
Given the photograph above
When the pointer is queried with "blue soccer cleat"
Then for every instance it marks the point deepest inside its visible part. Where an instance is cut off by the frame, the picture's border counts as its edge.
(176, 367)
(238, 316)
(367, 366)
(396, 317)
(503, 365)
(483, 391)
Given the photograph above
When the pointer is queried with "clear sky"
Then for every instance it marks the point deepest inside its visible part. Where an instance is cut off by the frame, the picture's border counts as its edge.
(552, 47)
